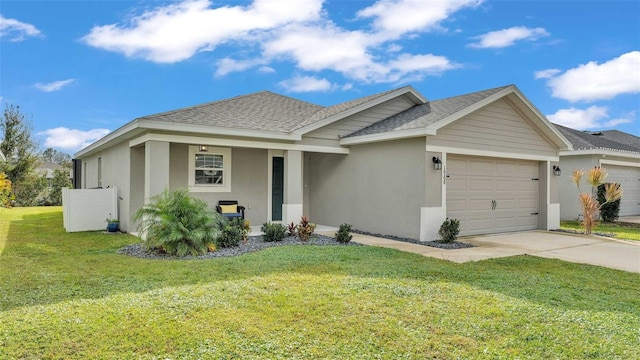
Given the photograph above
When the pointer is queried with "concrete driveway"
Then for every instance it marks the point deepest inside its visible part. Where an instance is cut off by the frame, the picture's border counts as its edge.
(614, 254)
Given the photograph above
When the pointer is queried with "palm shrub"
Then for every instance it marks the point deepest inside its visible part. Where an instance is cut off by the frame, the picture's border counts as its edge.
(589, 205)
(609, 211)
(178, 224)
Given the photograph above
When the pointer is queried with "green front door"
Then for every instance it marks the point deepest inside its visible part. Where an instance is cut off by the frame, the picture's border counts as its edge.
(277, 188)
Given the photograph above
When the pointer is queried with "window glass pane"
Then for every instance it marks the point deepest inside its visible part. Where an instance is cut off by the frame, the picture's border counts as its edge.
(209, 161)
(209, 177)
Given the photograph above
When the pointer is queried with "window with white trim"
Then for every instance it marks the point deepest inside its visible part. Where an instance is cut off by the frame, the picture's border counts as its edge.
(209, 170)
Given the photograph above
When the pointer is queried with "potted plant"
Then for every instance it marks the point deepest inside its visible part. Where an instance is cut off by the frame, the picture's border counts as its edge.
(113, 225)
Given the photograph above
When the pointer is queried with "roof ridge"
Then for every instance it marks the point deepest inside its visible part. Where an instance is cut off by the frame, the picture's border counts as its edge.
(345, 106)
(496, 89)
(222, 101)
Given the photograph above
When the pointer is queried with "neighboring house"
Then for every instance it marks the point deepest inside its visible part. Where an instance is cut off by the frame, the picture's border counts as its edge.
(47, 169)
(613, 150)
(2, 157)
(392, 163)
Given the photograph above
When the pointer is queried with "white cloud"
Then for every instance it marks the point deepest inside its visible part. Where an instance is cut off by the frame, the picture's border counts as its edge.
(266, 70)
(348, 53)
(593, 117)
(298, 31)
(306, 84)
(393, 18)
(593, 81)
(546, 74)
(16, 30)
(54, 86)
(71, 139)
(507, 37)
(176, 32)
(227, 65)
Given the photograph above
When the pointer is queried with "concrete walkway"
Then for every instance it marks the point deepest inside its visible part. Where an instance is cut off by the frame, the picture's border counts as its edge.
(610, 253)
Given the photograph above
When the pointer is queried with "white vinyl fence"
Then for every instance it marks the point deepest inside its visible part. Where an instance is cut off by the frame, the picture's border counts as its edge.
(88, 209)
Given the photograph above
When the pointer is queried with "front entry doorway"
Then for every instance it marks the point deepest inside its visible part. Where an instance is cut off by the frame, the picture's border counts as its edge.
(277, 188)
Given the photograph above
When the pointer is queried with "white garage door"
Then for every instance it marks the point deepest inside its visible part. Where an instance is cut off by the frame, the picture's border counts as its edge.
(490, 195)
(629, 179)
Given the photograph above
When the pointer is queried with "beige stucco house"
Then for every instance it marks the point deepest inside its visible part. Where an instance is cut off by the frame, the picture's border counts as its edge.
(613, 150)
(392, 163)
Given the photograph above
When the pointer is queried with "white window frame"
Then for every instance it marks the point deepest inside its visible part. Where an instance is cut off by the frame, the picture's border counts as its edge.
(226, 169)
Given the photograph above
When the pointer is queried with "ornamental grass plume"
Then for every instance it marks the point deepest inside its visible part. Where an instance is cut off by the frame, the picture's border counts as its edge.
(588, 202)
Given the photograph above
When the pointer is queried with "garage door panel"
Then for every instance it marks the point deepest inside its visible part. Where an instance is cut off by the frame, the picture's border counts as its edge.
(500, 194)
(506, 185)
(479, 205)
(457, 205)
(629, 179)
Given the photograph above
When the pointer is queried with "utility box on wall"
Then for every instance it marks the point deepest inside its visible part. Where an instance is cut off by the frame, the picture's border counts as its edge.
(88, 209)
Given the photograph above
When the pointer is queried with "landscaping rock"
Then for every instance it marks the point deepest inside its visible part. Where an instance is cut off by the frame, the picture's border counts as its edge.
(254, 243)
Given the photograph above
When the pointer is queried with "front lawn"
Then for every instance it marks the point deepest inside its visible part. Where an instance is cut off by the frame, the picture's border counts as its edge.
(625, 231)
(71, 296)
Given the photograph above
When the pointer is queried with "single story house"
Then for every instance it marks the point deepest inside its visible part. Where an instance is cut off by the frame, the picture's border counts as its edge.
(393, 163)
(48, 169)
(613, 150)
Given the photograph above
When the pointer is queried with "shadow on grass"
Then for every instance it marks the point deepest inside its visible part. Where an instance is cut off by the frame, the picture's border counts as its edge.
(41, 264)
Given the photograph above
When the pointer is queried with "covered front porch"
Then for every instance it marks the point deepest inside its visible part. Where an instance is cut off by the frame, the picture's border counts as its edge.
(268, 179)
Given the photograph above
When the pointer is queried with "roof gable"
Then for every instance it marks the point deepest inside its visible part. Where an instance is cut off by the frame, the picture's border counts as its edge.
(421, 116)
(427, 119)
(340, 111)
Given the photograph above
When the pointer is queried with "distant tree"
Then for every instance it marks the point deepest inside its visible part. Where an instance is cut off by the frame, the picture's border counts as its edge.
(60, 180)
(33, 190)
(6, 196)
(17, 146)
(56, 157)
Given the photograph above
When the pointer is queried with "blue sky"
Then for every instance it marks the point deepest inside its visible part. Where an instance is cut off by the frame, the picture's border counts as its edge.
(79, 69)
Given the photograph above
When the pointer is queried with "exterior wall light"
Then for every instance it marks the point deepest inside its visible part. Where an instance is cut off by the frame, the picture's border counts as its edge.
(556, 170)
(204, 148)
(437, 163)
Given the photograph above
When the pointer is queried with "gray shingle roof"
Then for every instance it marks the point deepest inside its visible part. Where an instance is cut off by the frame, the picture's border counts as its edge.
(421, 116)
(342, 107)
(604, 140)
(264, 111)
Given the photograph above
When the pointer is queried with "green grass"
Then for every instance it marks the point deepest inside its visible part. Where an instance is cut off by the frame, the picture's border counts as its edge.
(621, 231)
(71, 296)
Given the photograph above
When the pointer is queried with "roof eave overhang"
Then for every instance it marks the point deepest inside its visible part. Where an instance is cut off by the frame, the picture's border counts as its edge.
(601, 152)
(386, 136)
(138, 126)
(409, 91)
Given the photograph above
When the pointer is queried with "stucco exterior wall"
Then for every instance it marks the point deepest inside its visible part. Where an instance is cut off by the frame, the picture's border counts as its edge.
(115, 170)
(248, 180)
(378, 187)
(568, 192)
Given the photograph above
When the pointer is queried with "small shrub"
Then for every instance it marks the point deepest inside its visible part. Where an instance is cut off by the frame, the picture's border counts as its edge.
(244, 226)
(273, 232)
(344, 234)
(211, 247)
(609, 211)
(291, 229)
(449, 230)
(230, 235)
(305, 229)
